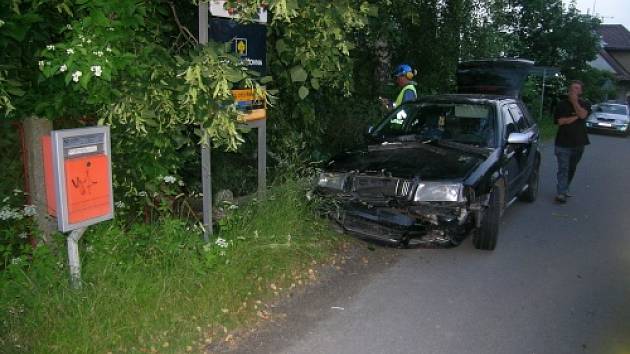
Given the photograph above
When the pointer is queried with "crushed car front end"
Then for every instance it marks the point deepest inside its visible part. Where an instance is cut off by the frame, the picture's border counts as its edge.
(398, 211)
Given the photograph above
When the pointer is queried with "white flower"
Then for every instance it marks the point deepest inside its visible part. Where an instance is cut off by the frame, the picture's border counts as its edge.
(88, 41)
(76, 75)
(181, 183)
(119, 204)
(22, 235)
(111, 29)
(68, 27)
(221, 243)
(142, 194)
(70, 51)
(97, 70)
(41, 64)
(63, 68)
(109, 49)
(30, 210)
(170, 179)
(9, 214)
(17, 260)
(50, 47)
(89, 248)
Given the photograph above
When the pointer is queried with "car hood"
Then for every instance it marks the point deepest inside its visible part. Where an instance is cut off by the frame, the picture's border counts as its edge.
(409, 160)
(494, 77)
(609, 117)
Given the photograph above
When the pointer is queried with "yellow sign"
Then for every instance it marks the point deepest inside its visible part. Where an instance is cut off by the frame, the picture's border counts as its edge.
(241, 46)
(252, 106)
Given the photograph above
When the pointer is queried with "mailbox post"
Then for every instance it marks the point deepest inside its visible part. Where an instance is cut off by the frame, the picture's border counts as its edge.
(79, 180)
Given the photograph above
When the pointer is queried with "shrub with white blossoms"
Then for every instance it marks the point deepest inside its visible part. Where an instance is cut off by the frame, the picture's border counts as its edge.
(97, 70)
(221, 243)
(76, 76)
(17, 222)
(170, 179)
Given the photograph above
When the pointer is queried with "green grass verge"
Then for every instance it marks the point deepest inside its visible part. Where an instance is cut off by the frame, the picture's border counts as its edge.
(547, 128)
(158, 288)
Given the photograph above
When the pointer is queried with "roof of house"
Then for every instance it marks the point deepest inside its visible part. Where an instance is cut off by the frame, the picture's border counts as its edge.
(615, 37)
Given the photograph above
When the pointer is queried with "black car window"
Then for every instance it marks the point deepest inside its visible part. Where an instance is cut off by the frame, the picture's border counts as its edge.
(465, 123)
(519, 117)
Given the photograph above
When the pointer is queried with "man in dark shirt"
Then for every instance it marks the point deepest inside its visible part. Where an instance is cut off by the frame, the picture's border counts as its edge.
(570, 116)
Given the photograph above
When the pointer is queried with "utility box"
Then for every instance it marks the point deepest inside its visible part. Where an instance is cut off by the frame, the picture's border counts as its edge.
(78, 177)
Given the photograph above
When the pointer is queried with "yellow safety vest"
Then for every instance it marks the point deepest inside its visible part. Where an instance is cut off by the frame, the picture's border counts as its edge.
(401, 95)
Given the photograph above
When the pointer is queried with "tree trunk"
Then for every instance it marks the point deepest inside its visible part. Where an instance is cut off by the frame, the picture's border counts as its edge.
(34, 129)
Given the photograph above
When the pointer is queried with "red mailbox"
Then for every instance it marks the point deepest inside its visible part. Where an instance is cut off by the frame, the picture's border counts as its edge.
(78, 176)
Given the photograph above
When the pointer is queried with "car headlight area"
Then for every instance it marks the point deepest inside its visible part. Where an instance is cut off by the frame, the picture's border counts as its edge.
(439, 192)
(331, 180)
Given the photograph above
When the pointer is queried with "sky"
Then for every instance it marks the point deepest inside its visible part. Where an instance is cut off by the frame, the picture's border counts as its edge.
(611, 11)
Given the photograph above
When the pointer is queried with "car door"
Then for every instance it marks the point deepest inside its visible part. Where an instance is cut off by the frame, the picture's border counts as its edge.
(511, 153)
(529, 126)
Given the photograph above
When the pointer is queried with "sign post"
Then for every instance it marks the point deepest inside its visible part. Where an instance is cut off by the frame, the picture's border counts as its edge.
(79, 180)
(249, 42)
(206, 156)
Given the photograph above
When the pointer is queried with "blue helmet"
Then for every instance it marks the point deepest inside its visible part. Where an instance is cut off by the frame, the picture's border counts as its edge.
(403, 69)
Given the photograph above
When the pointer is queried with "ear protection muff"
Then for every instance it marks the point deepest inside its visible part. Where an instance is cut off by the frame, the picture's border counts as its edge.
(411, 74)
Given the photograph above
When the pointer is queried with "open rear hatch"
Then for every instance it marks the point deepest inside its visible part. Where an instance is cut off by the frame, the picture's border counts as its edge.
(493, 77)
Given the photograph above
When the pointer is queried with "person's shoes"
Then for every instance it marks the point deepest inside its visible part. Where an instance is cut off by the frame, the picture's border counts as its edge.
(561, 199)
(568, 195)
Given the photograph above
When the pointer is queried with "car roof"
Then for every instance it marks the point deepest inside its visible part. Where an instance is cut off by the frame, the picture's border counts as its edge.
(465, 98)
(611, 104)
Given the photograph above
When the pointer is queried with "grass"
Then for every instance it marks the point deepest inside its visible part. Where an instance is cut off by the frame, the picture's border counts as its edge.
(547, 128)
(159, 288)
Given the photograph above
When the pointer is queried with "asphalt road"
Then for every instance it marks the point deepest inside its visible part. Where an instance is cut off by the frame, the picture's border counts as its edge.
(558, 282)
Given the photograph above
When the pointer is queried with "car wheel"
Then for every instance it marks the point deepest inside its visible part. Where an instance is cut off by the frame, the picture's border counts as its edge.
(531, 193)
(485, 237)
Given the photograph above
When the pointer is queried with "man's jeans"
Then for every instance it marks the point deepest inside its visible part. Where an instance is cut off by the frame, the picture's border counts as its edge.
(568, 158)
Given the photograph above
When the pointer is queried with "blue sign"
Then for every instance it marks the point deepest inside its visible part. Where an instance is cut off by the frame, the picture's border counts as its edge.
(249, 41)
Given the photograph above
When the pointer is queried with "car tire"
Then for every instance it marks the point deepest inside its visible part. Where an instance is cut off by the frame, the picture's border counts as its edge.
(531, 193)
(485, 237)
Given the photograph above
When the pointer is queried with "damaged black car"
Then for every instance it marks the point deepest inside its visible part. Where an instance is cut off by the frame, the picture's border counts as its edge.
(441, 168)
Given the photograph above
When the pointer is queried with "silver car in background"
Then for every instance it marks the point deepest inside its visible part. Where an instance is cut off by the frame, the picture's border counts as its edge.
(609, 117)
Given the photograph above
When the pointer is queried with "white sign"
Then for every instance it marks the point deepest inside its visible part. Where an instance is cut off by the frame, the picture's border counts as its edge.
(218, 9)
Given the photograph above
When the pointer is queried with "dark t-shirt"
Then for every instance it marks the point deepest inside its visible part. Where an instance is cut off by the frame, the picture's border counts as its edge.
(574, 134)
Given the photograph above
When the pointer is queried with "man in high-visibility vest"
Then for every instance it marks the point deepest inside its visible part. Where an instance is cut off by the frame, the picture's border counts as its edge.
(403, 76)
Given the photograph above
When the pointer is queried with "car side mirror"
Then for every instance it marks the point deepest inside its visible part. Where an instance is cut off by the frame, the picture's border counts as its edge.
(370, 129)
(520, 138)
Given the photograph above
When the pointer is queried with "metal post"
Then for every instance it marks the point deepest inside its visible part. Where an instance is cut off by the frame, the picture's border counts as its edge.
(206, 179)
(73, 257)
(262, 158)
(206, 156)
(542, 95)
(203, 23)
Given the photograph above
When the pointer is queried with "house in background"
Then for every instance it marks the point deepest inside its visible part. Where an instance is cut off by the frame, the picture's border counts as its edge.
(614, 57)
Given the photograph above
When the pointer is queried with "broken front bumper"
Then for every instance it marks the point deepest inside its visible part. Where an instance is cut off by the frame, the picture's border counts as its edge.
(428, 224)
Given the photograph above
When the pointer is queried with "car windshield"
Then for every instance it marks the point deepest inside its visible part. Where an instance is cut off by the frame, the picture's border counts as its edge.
(466, 123)
(612, 109)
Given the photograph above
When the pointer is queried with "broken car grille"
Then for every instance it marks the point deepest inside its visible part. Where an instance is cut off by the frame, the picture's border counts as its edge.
(382, 186)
